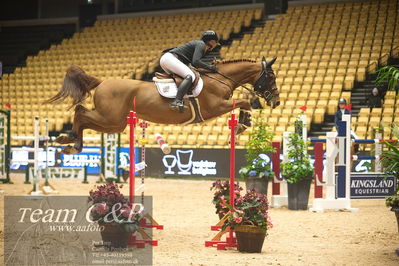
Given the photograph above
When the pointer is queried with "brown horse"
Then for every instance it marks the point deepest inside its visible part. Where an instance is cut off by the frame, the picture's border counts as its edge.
(113, 99)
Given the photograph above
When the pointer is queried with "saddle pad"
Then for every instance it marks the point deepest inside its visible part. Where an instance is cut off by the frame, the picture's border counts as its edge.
(167, 88)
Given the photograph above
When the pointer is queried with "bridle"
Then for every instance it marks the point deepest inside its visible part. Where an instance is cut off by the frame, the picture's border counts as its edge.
(261, 86)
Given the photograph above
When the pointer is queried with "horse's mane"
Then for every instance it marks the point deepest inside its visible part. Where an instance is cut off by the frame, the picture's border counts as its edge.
(234, 61)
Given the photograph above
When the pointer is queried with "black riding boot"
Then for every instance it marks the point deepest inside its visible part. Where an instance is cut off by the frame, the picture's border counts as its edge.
(181, 91)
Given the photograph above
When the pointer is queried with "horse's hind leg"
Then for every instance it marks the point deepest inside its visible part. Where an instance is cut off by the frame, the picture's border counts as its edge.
(87, 119)
(72, 136)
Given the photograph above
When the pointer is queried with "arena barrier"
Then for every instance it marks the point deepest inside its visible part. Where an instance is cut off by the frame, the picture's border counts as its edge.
(279, 185)
(338, 186)
(147, 221)
(36, 138)
(5, 145)
(231, 240)
(108, 162)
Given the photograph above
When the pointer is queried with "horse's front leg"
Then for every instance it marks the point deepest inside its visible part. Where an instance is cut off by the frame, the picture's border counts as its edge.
(244, 118)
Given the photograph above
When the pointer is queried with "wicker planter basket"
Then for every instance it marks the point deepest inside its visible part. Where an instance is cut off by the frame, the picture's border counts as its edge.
(250, 238)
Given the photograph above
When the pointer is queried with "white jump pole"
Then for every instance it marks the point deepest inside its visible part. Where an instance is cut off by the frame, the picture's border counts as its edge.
(36, 147)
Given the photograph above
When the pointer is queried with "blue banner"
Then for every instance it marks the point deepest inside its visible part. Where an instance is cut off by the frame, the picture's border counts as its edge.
(372, 186)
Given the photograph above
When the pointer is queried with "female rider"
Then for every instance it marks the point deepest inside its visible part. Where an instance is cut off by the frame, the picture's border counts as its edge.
(176, 60)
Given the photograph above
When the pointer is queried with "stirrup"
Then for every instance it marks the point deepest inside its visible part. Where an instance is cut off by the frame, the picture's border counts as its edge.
(177, 104)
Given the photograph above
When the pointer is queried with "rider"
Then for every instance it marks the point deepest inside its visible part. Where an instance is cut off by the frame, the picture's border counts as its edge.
(176, 60)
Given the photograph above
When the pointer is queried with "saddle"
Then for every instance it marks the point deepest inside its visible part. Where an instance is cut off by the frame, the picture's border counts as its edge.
(177, 79)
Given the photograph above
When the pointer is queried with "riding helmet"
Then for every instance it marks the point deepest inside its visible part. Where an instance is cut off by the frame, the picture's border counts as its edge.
(209, 35)
(342, 100)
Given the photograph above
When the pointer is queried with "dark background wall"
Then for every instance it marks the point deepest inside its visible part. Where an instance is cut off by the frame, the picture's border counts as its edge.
(21, 9)
(60, 8)
(31, 9)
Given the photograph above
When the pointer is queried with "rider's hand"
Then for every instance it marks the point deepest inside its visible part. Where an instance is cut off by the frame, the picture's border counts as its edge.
(213, 68)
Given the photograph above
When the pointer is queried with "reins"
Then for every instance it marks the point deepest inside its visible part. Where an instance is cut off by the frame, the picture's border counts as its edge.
(227, 77)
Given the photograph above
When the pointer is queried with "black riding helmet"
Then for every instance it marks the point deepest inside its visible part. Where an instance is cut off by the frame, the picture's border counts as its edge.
(209, 35)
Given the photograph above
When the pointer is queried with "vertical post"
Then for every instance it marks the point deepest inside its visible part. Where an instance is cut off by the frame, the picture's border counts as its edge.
(102, 157)
(8, 146)
(318, 169)
(132, 120)
(27, 174)
(36, 152)
(143, 126)
(344, 170)
(348, 157)
(232, 125)
(85, 175)
(303, 118)
(340, 184)
(46, 147)
(377, 153)
(118, 150)
(279, 187)
(276, 168)
(5, 145)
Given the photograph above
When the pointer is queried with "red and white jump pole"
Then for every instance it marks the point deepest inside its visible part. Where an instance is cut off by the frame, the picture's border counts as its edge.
(231, 240)
(132, 121)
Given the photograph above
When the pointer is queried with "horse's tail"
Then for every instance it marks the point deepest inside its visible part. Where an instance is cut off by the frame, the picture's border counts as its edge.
(77, 85)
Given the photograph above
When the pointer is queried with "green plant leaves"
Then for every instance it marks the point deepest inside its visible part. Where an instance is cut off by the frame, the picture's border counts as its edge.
(388, 74)
(298, 166)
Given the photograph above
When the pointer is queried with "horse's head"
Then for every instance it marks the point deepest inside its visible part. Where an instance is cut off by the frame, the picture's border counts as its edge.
(265, 85)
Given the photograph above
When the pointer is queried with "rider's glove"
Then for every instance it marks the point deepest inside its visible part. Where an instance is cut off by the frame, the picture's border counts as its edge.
(213, 68)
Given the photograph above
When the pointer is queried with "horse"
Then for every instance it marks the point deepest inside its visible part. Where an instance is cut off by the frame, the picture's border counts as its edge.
(113, 98)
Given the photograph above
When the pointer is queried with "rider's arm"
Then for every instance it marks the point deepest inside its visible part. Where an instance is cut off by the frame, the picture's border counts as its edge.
(198, 54)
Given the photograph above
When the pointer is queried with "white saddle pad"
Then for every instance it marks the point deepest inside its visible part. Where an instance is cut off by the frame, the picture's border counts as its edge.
(167, 88)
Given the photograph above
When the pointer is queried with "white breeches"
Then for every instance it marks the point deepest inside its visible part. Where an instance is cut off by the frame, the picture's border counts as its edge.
(171, 64)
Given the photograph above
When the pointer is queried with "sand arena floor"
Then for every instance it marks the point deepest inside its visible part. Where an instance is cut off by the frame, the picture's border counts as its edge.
(368, 237)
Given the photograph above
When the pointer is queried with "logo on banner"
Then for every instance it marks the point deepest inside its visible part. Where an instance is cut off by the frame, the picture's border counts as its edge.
(185, 164)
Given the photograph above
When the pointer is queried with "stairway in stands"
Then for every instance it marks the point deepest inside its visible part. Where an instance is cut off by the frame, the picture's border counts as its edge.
(359, 94)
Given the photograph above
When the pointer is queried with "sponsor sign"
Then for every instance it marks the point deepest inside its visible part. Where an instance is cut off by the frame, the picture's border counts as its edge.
(192, 162)
(59, 172)
(371, 185)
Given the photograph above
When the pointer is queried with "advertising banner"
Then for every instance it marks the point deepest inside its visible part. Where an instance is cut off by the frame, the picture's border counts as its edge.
(192, 162)
(372, 185)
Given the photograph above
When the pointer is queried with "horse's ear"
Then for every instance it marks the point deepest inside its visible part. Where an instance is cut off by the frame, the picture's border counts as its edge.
(270, 63)
(264, 63)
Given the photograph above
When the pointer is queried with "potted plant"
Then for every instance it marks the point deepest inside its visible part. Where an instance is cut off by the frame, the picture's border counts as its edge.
(257, 172)
(221, 194)
(250, 220)
(297, 171)
(390, 163)
(113, 213)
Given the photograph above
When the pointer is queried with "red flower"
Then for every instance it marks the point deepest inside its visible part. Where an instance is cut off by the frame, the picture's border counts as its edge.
(348, 107)
(8, 106)
(303, 108)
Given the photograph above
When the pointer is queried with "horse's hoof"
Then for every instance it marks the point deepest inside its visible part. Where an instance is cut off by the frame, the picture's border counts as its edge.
(63, 140)
(240, 128)
(70, 150)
